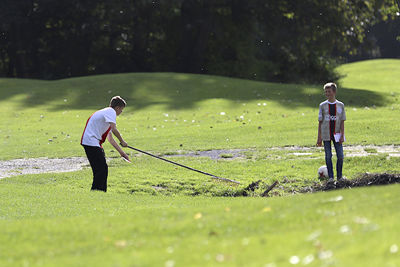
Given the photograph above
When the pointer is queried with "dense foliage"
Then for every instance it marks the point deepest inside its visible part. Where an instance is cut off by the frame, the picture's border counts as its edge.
(267, 40)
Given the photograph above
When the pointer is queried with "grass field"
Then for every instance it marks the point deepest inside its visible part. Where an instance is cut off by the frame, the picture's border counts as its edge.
(46, 225)
(167, 110)
(156, 214)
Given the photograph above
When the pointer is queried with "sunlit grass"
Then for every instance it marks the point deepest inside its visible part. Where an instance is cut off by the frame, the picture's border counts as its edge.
(157, 214)
(51, 223)
(170, 112)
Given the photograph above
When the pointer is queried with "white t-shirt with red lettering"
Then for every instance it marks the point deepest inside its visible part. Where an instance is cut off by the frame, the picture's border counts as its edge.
(331, 115)
(98, 126)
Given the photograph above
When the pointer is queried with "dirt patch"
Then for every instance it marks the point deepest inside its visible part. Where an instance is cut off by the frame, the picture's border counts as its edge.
(364, 151)
(305, 152)
(15, 167)
(367, 179)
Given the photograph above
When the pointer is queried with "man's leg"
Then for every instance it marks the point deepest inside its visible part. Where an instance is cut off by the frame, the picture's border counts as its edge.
(340, 157)
(328, 158)
(99, 166)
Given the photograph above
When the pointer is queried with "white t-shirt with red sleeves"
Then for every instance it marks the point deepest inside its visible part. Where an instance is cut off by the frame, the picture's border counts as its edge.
(98, 126)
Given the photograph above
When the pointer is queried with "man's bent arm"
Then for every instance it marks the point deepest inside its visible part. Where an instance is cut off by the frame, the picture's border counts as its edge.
(117, 134)
(116, 146)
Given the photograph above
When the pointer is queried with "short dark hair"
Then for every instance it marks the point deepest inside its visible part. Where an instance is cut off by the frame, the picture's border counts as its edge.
(117, 101)
(331, 85)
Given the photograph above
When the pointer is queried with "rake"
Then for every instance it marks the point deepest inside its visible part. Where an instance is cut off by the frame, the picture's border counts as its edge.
(183, 166)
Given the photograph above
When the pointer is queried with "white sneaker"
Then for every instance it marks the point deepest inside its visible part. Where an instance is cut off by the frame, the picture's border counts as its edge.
(330, 180)
(342, 179)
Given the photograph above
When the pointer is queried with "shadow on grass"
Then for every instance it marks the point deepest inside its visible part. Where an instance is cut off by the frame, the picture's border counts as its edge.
(174, 90)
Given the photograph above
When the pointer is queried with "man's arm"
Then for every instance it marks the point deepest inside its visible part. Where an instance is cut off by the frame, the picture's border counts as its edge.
(319, 140)
(117, 134)
(320, 119)
(117, 147)
(341, 140)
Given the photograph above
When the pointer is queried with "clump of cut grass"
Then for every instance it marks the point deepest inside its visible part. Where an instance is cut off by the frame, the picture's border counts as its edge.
(371, 150)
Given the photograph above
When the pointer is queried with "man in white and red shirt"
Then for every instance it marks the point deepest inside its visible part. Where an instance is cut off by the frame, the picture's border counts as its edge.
(331, 119)
(101, 125)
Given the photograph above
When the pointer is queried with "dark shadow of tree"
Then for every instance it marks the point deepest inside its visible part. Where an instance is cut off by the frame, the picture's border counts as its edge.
(176, 91)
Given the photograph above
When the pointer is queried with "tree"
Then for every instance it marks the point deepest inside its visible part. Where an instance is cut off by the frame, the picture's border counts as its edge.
(268, 40)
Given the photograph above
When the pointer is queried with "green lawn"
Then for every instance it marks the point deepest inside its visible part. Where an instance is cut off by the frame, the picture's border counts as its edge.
(156, 214)
(43, 224)
(167, 110)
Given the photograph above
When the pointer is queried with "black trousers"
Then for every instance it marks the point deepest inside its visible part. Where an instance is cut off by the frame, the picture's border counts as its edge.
(97, 160)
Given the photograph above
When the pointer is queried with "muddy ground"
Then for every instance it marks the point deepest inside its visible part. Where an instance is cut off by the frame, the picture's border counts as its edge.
(366, 179)
(45, 165)
(15, 167)
(350, 151)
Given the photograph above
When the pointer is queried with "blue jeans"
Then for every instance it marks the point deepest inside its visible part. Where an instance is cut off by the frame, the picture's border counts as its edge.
(328, 158)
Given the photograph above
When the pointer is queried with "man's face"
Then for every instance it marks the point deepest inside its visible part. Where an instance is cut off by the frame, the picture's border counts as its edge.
(329, 93)
(119, 110)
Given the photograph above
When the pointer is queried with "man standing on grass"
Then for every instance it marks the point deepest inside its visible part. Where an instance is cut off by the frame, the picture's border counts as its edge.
(101, 125)
(331, 119)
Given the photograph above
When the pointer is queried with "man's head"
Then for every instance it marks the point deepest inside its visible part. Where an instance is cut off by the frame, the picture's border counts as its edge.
(118, 104)
(330, 90)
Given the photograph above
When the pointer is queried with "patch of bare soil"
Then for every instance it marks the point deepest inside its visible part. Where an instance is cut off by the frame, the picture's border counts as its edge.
(350, 151)
(14, 167)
